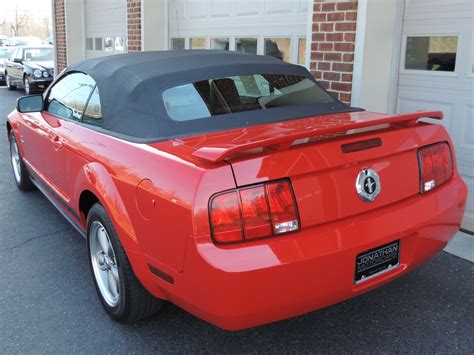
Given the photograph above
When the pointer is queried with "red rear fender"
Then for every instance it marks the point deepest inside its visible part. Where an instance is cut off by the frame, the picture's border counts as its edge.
(95, 178)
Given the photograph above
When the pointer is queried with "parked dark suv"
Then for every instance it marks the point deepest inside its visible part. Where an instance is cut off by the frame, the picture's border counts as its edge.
(30, 68)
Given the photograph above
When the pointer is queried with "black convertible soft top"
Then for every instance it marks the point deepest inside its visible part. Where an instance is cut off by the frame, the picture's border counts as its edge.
(131, 86)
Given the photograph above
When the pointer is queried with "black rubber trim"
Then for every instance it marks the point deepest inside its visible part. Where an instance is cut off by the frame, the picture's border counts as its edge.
(46, 188)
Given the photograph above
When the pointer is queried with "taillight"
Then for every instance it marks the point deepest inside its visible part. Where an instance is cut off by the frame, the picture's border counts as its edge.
(436, 165)
(253, 212)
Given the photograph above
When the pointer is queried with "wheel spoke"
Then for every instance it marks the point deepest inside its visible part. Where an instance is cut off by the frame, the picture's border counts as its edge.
(113, 284)
(115, 274)
(103, 240)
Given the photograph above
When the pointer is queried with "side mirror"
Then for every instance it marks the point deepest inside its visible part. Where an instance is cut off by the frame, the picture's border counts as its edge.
(31, 103)
(17, 60)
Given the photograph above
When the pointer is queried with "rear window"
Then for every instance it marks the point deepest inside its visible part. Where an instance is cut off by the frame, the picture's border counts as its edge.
(241, 93)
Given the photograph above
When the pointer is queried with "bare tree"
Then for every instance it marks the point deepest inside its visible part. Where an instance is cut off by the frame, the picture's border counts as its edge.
(21, 20)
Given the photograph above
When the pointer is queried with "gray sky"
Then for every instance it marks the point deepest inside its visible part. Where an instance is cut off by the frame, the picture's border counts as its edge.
(36, 8)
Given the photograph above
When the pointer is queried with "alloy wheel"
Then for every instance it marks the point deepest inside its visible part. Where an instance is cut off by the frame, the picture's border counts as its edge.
(104, 264)
(15, 159)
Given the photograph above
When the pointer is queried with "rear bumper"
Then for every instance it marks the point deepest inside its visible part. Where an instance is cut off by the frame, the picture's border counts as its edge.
(261, 282)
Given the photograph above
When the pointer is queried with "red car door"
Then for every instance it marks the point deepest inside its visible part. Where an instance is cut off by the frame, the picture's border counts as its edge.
(45, 138)
(46, 133)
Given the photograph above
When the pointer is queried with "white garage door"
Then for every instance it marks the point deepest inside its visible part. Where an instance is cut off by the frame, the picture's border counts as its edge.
(255, 26)
(105, 27)
(437, 73)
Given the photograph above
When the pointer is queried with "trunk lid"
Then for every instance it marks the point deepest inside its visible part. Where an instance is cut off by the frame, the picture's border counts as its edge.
(322, 156)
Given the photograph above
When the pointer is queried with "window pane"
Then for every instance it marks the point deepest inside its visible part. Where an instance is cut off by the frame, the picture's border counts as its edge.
(108, 44)
(246, 45)
(302, 51)
(177, 43)
(184, 103)
(220, 43)
(119, 44)
(98, 44)
(93, 112)
(279, 48)
(68, 97)
(197, 43)
(435, 53)
(241, 93)
(18, 54)
(89, 44)
(38, 54)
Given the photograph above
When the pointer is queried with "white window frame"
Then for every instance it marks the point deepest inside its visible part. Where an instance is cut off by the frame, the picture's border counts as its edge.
(297, 44)
(454, 74)
(470, 65)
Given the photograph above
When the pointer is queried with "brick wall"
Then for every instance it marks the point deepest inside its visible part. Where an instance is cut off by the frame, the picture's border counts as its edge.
(332, 45)
(134, 25)
(60, 44)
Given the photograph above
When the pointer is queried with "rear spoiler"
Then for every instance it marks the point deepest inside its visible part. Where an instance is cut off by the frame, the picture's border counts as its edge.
(221, 152)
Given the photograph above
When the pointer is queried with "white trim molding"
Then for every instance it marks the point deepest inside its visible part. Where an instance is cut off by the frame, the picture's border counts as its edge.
(309, 33)
(395, 63)
(359, 52)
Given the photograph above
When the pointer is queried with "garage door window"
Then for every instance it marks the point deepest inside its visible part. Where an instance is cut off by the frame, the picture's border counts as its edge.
(177, 43)
(119, 44)
(98, 43)
(279, 48)
(197, 43)
(220, 43)
(89, 43)
(108, 44)
(302, 50)
(246, 45)
(432, 53)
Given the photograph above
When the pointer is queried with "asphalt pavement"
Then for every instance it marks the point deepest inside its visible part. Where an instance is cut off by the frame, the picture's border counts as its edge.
(48, 302)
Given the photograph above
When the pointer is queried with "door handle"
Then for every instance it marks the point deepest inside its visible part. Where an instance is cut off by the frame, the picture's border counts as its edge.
(58, 142)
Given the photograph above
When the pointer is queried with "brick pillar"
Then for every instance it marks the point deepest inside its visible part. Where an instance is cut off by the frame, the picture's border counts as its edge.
(134, 25)
(332, 45)
(60, 28)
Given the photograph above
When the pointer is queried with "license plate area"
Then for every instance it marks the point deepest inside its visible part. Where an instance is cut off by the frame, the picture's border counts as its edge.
(377, 261)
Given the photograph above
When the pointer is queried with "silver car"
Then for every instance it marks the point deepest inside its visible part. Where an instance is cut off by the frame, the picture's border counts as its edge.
(4, 54)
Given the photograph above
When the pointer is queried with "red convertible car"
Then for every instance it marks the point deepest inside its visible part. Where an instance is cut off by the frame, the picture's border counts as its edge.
(233, 185)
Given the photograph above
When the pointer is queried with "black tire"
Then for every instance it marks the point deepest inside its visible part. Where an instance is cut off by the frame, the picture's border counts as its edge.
(7, 81)
(134, 302)
(22, 180)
